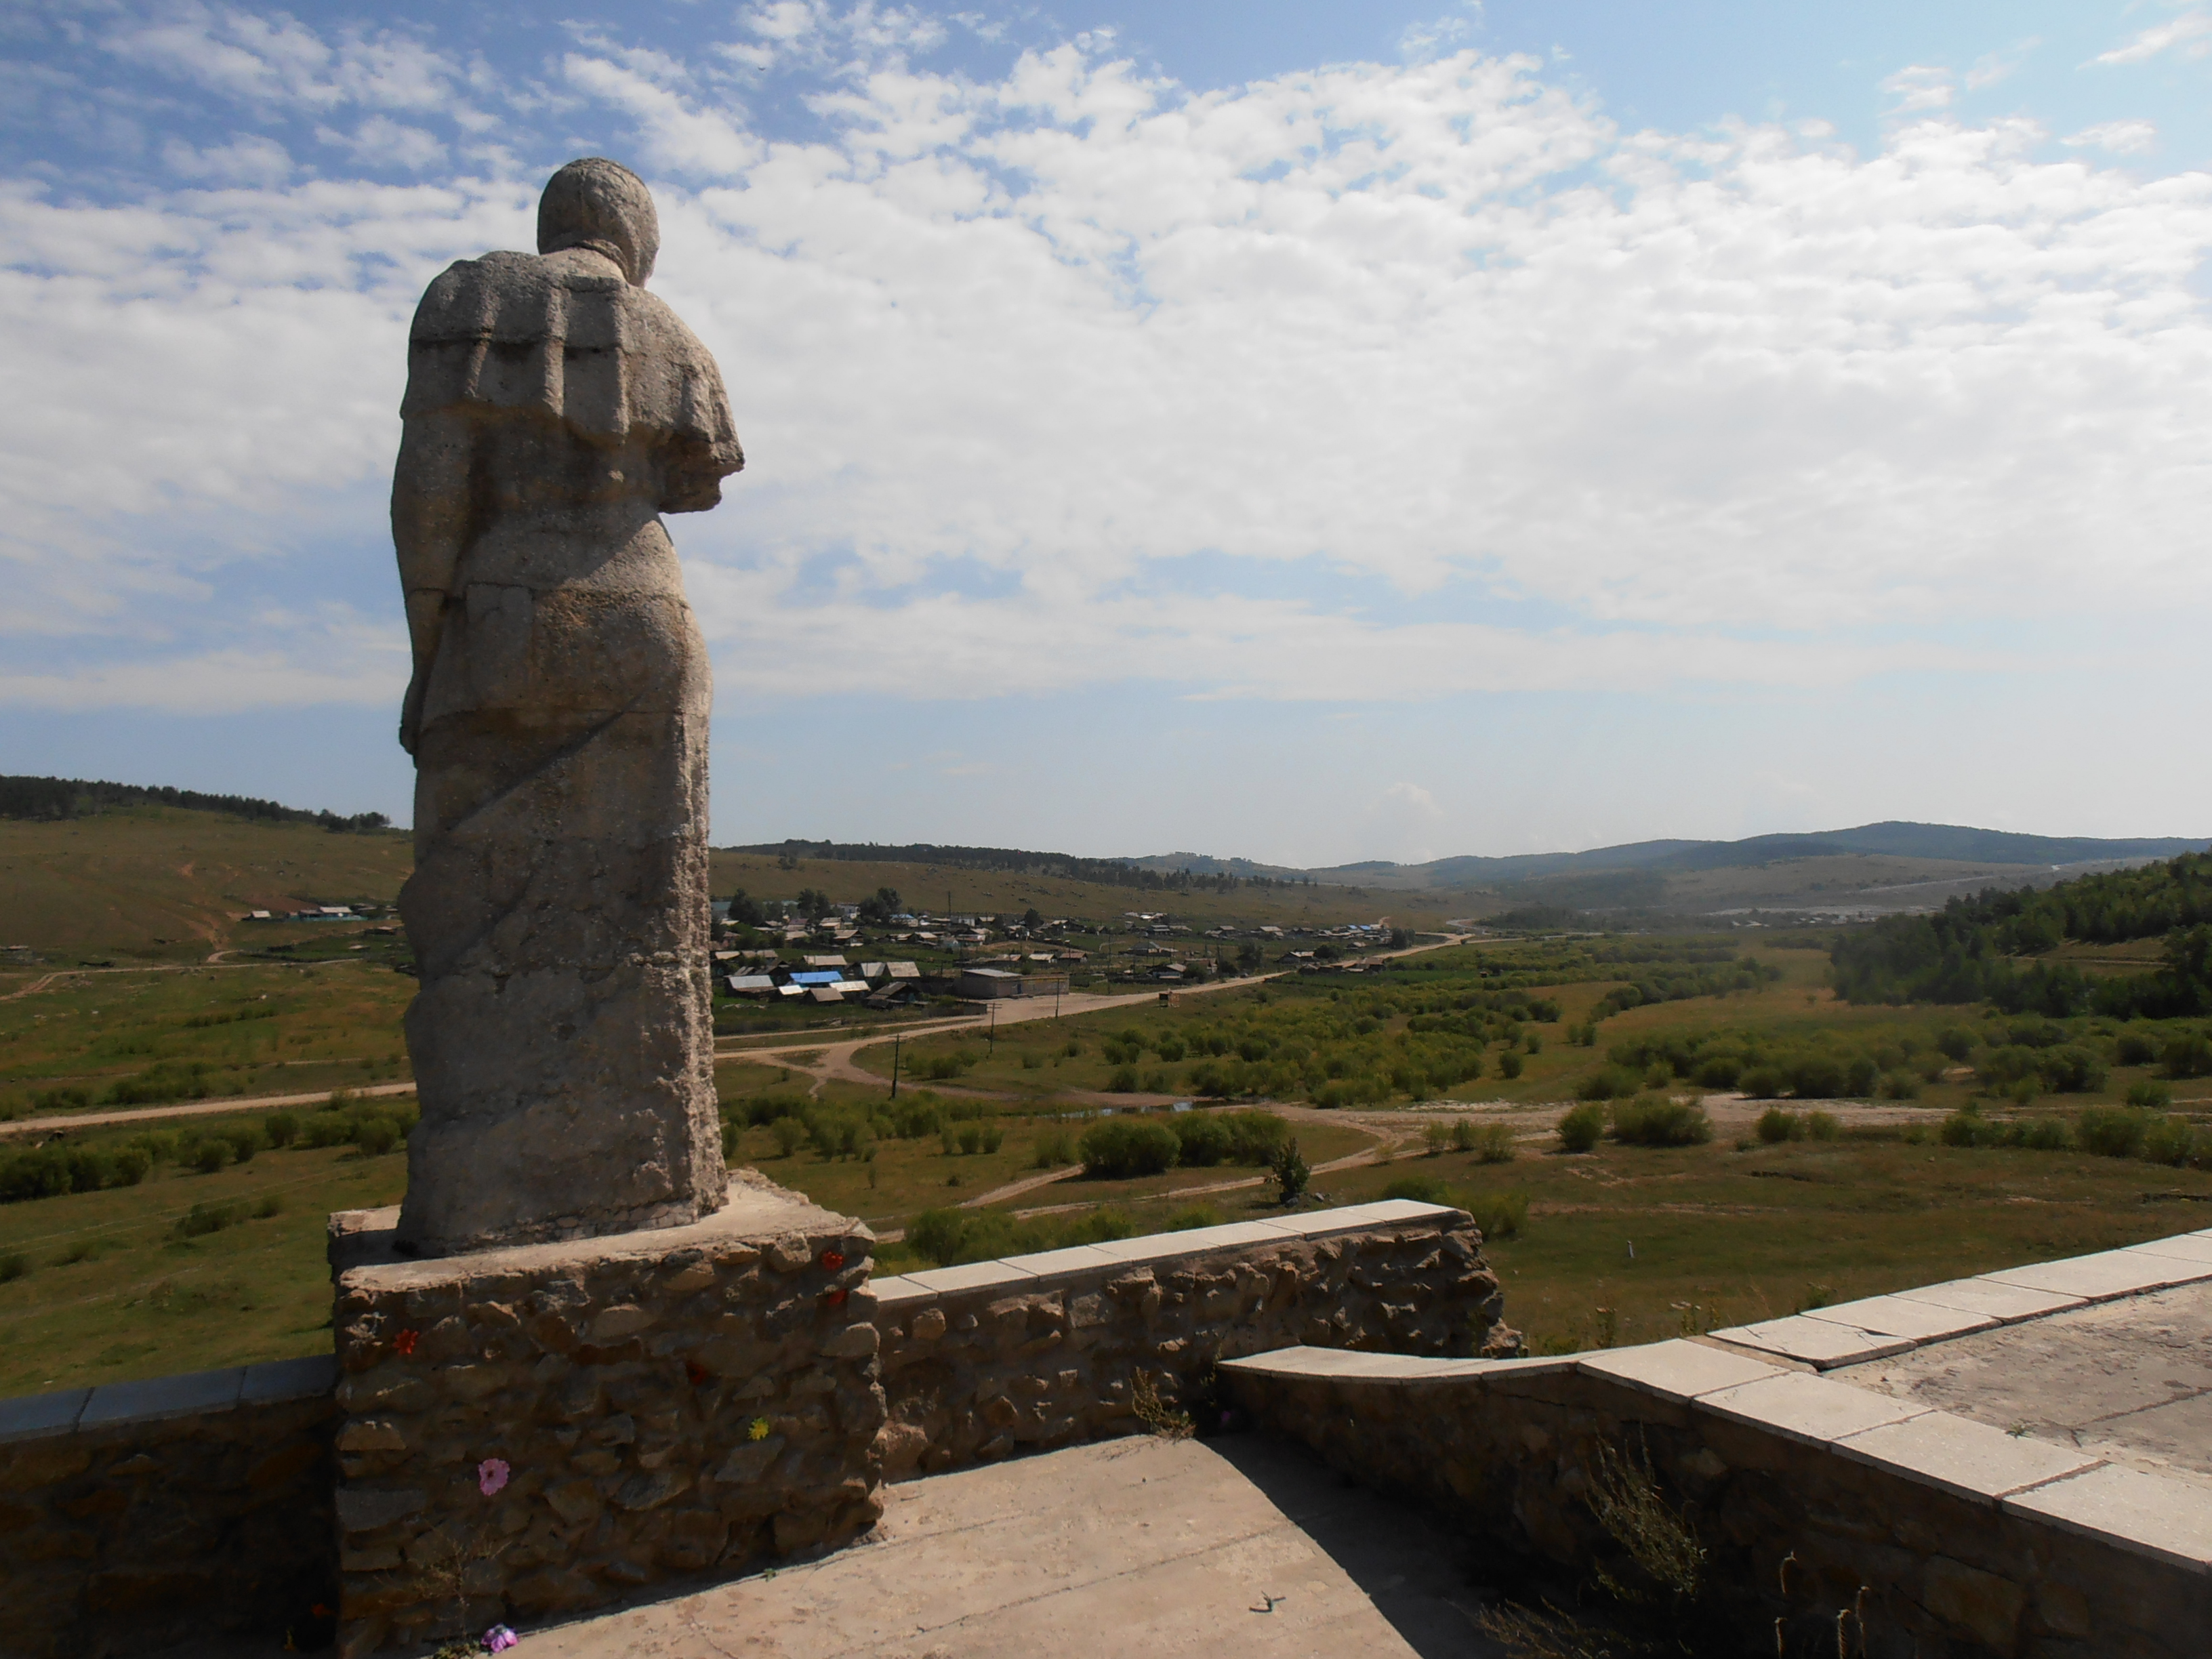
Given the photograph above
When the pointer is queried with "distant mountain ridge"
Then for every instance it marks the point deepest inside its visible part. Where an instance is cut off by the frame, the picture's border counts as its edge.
(1950, 842)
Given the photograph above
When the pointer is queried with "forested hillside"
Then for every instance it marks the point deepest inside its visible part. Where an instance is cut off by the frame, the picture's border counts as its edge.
(1974, 948)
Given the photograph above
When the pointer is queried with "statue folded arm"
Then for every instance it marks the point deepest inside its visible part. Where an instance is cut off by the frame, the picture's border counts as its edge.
(430, 527)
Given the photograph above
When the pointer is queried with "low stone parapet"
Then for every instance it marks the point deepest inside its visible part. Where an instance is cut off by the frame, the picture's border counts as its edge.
(1837, 1519)
(984, 1360)
(137, 1515)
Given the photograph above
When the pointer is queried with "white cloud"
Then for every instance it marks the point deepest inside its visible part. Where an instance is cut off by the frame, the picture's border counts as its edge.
(1993, 67)
(380, 142)
(1918, 88)
(1066, 378)
(275, 60)
(2189, 33)
(2120, 137)
(1412, 795)
(248, 159)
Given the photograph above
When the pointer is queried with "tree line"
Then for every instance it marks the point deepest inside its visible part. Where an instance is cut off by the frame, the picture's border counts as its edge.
(57, 800)
(1106, 872)
(1976, 949)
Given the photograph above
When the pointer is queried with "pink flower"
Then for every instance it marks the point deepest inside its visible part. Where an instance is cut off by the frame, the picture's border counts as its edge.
(491, 1475)
(499, 1638)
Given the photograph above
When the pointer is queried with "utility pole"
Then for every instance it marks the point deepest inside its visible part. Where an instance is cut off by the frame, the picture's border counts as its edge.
(895, 1063)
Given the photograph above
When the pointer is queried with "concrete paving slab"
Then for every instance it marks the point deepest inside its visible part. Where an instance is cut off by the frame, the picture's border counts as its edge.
(1817, 1342)
(160, 1397)
(1325, 1362)
(2107, 1273)
(2002, 1302)
(2129, 1380)
(1676, 1369)
(36, 1416)
(1812, 1409)
(897, 1291)
(2153, 1515)
(1233, 1234)
(277, 1380)
(1073, 1259)
(1130, 1549)
(2189, 1246)
(1897, 1316)
(1965, 1458)
(975, 1276)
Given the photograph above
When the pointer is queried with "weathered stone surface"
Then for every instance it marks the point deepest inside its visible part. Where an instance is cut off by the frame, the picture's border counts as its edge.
(562, 1037)
(145, 1530)
(654, 1406)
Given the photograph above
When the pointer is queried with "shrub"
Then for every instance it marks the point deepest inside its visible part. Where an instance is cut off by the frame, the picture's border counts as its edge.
(1717, 1072)
(1581, 1128)
(1901, 1085)
(1508, 1063)
(1291, 1171)
(2135, 1048)
(1777, 1125)
(1255, 1137)
(1762, 1082)
(1824, 1126)
(2169, 1140)
(42, 1172)
(376, 1134)
(1203, 1138)
(1653, 1121)
(281, 1128)
(790, 1133)
(1435, 1137)
(14, 1266)
(245, 1142)
(209, 1155)
(1954, 1043)
(2111, 1131)
(2044, 1135)
(2071, 1069)
(1120, 1148)
(971, 1139)
(2188, 1054)
(1493, 1144)
(1420, 1189)
(1054, 1148)
(205, 1219)
(1968, 1128)
(2150, 1094)
(1123, 1081)
(1606, 1083)
(1499, 1215)
(61, 1100)
(130, 1163)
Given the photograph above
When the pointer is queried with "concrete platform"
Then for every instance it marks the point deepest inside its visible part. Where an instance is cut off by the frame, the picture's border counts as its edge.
(2128, 1382)
(1243, 1545)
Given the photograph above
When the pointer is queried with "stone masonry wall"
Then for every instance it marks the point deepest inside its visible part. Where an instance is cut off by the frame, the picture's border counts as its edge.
(534, 1431)
(139, 1514)
(1837, 1521)
(981, 1361)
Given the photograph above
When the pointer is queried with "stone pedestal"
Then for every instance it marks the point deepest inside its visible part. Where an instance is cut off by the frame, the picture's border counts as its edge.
(543, 1428)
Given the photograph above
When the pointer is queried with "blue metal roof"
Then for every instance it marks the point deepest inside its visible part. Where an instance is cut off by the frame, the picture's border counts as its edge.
(825, 977)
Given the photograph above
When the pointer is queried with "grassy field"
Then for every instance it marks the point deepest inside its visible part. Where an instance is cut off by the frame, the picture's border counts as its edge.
(129, 1038)
(1721, 1236)
(102, 1286)
(165, 883)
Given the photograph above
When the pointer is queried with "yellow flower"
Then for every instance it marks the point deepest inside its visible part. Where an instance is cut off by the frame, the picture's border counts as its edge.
(757, 1430)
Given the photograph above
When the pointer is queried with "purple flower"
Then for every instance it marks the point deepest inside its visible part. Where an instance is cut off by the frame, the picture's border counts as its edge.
(491, 1475)
(499, 1638)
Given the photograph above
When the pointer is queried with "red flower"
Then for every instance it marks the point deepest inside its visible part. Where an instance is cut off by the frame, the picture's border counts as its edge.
(835, 1299)
(697, 1372)
(832, 1261)
(404, 1344)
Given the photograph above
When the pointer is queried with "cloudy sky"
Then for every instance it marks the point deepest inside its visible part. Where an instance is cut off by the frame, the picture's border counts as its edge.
(1304, 431)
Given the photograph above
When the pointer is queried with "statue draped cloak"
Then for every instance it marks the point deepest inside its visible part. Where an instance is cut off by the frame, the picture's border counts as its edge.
(563, 1038)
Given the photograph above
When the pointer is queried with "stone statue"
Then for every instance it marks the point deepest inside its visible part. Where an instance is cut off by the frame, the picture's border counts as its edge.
(562, 1037)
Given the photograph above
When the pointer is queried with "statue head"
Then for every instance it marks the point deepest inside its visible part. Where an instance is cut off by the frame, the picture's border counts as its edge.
(604, 206)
